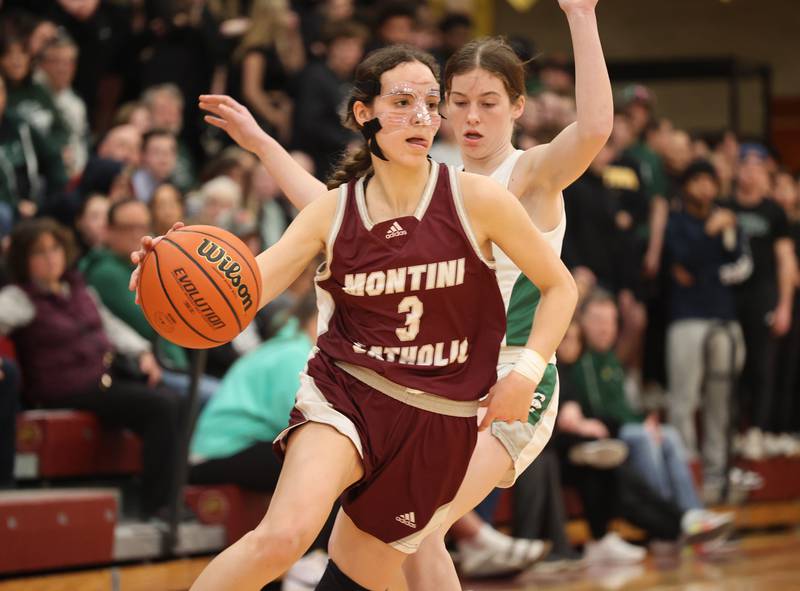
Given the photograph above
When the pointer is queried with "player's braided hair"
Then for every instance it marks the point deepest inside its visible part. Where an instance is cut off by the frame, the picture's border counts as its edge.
(366, 87)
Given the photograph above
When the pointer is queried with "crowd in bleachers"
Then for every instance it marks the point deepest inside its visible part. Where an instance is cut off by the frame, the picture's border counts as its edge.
(683, 246)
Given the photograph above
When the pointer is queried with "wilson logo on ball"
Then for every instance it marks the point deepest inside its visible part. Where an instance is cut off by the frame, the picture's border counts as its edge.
(215, 254)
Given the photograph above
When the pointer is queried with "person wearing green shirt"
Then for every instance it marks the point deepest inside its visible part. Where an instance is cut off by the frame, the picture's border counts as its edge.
(656, 453)
(108, 268)
(232, 442)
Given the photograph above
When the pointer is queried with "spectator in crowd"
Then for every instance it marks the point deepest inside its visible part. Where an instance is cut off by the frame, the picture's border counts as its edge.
(274, 212)
(394, 24)
(638, 102)
(656, 454)
(107, 271)
(91, 223)
(30, 167)
(764, 301)
(122, 143)
(29, 100)
(323, 88)
(134, 113)
(268, 58)
(165, 105)
(182, 49)
(705, 256)
(556, 75)
(44, 31)
(166, 208)
(787, 195)
(102, 31)
(66, 341)
(323, 15)
(158, 159)
(217, 203)
(456, 31)
(9, 406)
(599, 238)
(57, 66)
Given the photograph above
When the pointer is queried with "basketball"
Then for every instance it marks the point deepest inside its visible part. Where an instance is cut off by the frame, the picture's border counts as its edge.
(199, 287)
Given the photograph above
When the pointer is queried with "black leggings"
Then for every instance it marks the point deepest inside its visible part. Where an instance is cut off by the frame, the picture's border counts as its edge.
(154, 415)
(606, 494)
(9, 406)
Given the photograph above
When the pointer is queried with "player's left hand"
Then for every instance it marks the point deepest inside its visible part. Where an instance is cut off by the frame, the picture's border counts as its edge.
(509, 400)
(570, 5)
(148, 243)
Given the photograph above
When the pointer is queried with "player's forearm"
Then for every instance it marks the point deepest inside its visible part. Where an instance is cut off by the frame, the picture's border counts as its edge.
(593, 97)
(299, 186)
(552, 317)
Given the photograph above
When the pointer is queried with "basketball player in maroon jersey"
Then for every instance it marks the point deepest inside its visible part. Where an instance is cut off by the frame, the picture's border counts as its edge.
(485, 82)
(411, 320)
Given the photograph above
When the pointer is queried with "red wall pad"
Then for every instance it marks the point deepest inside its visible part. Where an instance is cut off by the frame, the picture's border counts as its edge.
(42, 529)
(72, 443)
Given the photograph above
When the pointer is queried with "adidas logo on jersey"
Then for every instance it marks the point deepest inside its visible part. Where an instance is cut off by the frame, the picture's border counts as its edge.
(395, 230)
(407, 519)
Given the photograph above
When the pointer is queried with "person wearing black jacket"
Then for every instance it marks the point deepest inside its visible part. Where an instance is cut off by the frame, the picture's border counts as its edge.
(706, 255)
(323, 90)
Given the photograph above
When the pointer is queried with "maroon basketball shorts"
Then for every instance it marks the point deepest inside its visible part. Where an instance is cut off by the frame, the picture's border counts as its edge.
(415, 447)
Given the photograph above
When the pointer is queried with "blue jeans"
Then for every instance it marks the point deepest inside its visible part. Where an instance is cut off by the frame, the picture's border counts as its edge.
(662, 466)
(6, 219)
(179, 382)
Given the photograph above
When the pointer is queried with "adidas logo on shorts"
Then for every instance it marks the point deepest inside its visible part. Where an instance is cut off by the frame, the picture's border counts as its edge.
(407, 519)
(395, 230)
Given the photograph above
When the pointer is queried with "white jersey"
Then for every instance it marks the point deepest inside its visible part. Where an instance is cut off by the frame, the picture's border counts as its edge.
(520, 296)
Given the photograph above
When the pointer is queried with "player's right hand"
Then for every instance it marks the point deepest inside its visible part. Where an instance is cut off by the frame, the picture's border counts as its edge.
(509, 400)
(234, 119)
(137, 256)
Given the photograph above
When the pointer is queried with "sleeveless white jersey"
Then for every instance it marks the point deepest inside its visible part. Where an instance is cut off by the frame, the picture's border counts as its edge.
(520, 296)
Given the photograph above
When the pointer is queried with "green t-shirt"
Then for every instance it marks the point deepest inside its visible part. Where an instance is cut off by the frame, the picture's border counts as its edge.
(253, 402)
(600, 388)
(109, 274)
(651, 167)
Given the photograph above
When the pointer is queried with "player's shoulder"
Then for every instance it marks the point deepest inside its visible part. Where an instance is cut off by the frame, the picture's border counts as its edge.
(479, 191)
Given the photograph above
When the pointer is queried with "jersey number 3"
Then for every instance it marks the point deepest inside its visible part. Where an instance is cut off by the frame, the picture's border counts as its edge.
(412, 307)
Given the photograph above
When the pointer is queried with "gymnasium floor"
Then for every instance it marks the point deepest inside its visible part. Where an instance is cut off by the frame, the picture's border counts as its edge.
(764, 562)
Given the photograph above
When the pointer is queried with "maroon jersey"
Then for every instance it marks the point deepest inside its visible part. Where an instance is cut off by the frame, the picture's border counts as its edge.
(412, 298)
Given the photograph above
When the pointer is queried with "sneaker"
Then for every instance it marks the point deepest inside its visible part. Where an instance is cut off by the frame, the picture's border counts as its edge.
(603, 454)
(613, 550)
(745, 480)
(492, 553)
(558, 563)
(306, 573)
(701, 525)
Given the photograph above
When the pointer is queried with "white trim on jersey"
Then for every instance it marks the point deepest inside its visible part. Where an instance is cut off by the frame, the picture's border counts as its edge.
(455, 189)
(422, 206)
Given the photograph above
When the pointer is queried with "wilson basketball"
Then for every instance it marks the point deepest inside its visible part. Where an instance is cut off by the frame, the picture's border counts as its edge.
(199, 287)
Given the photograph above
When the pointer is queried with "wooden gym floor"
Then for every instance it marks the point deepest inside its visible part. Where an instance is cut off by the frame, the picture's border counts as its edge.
(763, 562)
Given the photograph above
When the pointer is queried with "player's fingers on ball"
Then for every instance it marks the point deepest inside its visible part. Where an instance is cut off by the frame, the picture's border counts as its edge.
(487, 420)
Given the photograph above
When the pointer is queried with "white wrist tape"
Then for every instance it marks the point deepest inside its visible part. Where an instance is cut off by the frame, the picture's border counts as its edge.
(531, 365)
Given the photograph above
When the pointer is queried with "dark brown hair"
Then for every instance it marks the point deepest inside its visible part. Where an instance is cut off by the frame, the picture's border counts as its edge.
(366, 87)
(25, 235)
(494, 55)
